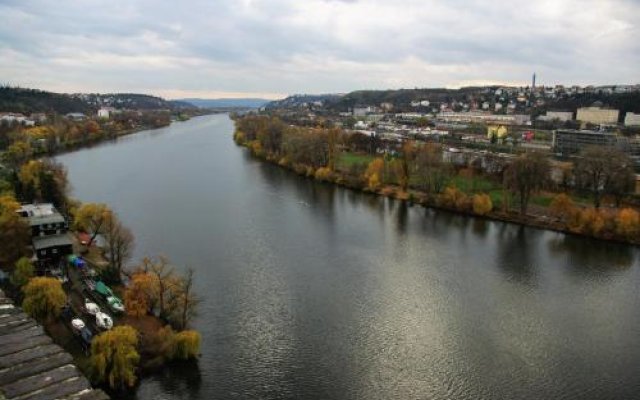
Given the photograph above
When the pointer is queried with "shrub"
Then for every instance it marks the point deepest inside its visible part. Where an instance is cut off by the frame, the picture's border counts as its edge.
(627, 223)
(482, 204)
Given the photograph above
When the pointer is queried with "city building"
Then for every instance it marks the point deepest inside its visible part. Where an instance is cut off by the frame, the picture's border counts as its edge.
(632, 119)
(597, 115)
(561, 116)
(570, 141)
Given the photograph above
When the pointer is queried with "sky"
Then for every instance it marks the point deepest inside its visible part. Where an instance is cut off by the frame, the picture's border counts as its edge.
(270, 49)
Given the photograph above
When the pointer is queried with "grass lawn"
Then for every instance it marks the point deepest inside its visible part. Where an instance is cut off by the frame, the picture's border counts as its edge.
(347, 159)
(476, 184)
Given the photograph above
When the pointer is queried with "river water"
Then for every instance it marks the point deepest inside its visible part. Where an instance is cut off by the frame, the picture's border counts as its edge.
(317, 292)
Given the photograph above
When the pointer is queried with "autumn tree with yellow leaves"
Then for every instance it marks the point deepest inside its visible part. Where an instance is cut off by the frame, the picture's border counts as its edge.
(114, 357)
(374, 172)
(43, 298)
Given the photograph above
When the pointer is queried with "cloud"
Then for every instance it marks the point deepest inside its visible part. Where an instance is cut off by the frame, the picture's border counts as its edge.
(287, 46)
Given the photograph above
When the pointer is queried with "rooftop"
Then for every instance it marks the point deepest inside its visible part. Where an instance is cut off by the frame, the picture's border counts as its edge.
(32, 366)
(45, 242)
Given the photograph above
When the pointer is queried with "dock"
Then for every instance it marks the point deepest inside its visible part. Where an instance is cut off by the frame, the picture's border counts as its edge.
(32, 367)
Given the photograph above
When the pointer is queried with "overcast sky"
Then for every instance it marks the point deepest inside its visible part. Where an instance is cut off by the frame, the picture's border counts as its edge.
(260, 48)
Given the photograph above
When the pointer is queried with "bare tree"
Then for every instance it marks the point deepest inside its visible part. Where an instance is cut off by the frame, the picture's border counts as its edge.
(527, 174)
(119, 244)
(602, 170)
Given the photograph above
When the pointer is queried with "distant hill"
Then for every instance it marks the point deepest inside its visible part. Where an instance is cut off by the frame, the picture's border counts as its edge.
(226, 103)
(27, 101)
(297, 100)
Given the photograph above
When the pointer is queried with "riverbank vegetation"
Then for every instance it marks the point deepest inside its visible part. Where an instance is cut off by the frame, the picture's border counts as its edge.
(160, 300)
(591, 197)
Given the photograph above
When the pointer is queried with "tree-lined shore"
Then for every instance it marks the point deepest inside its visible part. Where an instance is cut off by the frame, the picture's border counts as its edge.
(593, 197)
(159, 299)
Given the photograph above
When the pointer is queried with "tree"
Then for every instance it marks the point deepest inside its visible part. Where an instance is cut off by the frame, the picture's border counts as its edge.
(482, 204)
(528, 173)
(44, 181)
(114, 357)
(628, 223)
(14, 231)
(119, 244)
(140, 295)
(164, 279)
(562, 206)
(17, 153)
(184, 299)
(407, 159)
(603, 170)
(186, 345)
(43, 298)
(434, 175)
(373, 172)
(22, 272)
(332, 140)
(93, 218)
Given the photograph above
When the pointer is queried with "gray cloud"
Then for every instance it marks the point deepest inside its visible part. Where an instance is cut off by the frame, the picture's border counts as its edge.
(230, 47)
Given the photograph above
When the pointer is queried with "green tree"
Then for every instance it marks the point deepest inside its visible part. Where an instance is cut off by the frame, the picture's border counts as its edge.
(114, 357)
(43, 298)
(22, 272)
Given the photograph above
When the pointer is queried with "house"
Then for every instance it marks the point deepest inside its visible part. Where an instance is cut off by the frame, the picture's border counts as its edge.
(105, 112)
(49, 236)
(76, 116)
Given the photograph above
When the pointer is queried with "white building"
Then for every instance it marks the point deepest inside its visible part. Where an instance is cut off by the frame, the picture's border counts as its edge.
(105, 112)
(597, 115)
(561, 116)
(632, 119)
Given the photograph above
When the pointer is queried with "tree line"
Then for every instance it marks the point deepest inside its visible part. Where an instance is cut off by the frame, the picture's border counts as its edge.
(424, 172)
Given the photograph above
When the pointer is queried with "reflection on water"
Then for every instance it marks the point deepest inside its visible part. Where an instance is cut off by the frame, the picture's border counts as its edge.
(317, 292)
(180, 380)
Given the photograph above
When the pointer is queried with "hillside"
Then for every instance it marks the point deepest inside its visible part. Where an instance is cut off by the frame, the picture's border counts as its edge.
(27, 101)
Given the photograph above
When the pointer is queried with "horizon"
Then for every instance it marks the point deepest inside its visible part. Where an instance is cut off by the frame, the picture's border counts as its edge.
(258, 49)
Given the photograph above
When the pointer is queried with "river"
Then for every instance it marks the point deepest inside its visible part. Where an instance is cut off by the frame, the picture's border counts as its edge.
(317, 292)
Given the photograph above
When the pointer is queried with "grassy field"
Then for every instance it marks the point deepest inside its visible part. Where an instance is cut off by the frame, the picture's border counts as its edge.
(346, 160)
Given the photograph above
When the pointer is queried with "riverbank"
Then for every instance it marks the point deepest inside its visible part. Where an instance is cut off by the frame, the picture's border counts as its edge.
(453, 200)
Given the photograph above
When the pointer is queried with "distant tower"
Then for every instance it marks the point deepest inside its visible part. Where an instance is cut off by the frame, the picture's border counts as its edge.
(533, 83)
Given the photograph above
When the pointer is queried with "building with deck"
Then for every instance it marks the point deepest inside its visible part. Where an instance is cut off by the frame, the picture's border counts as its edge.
(49, 233)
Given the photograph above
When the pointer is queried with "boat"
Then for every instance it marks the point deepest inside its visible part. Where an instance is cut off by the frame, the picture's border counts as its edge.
(103, 289)
(91, 307)
(115, 304)
(77, 324)
(104, 321)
